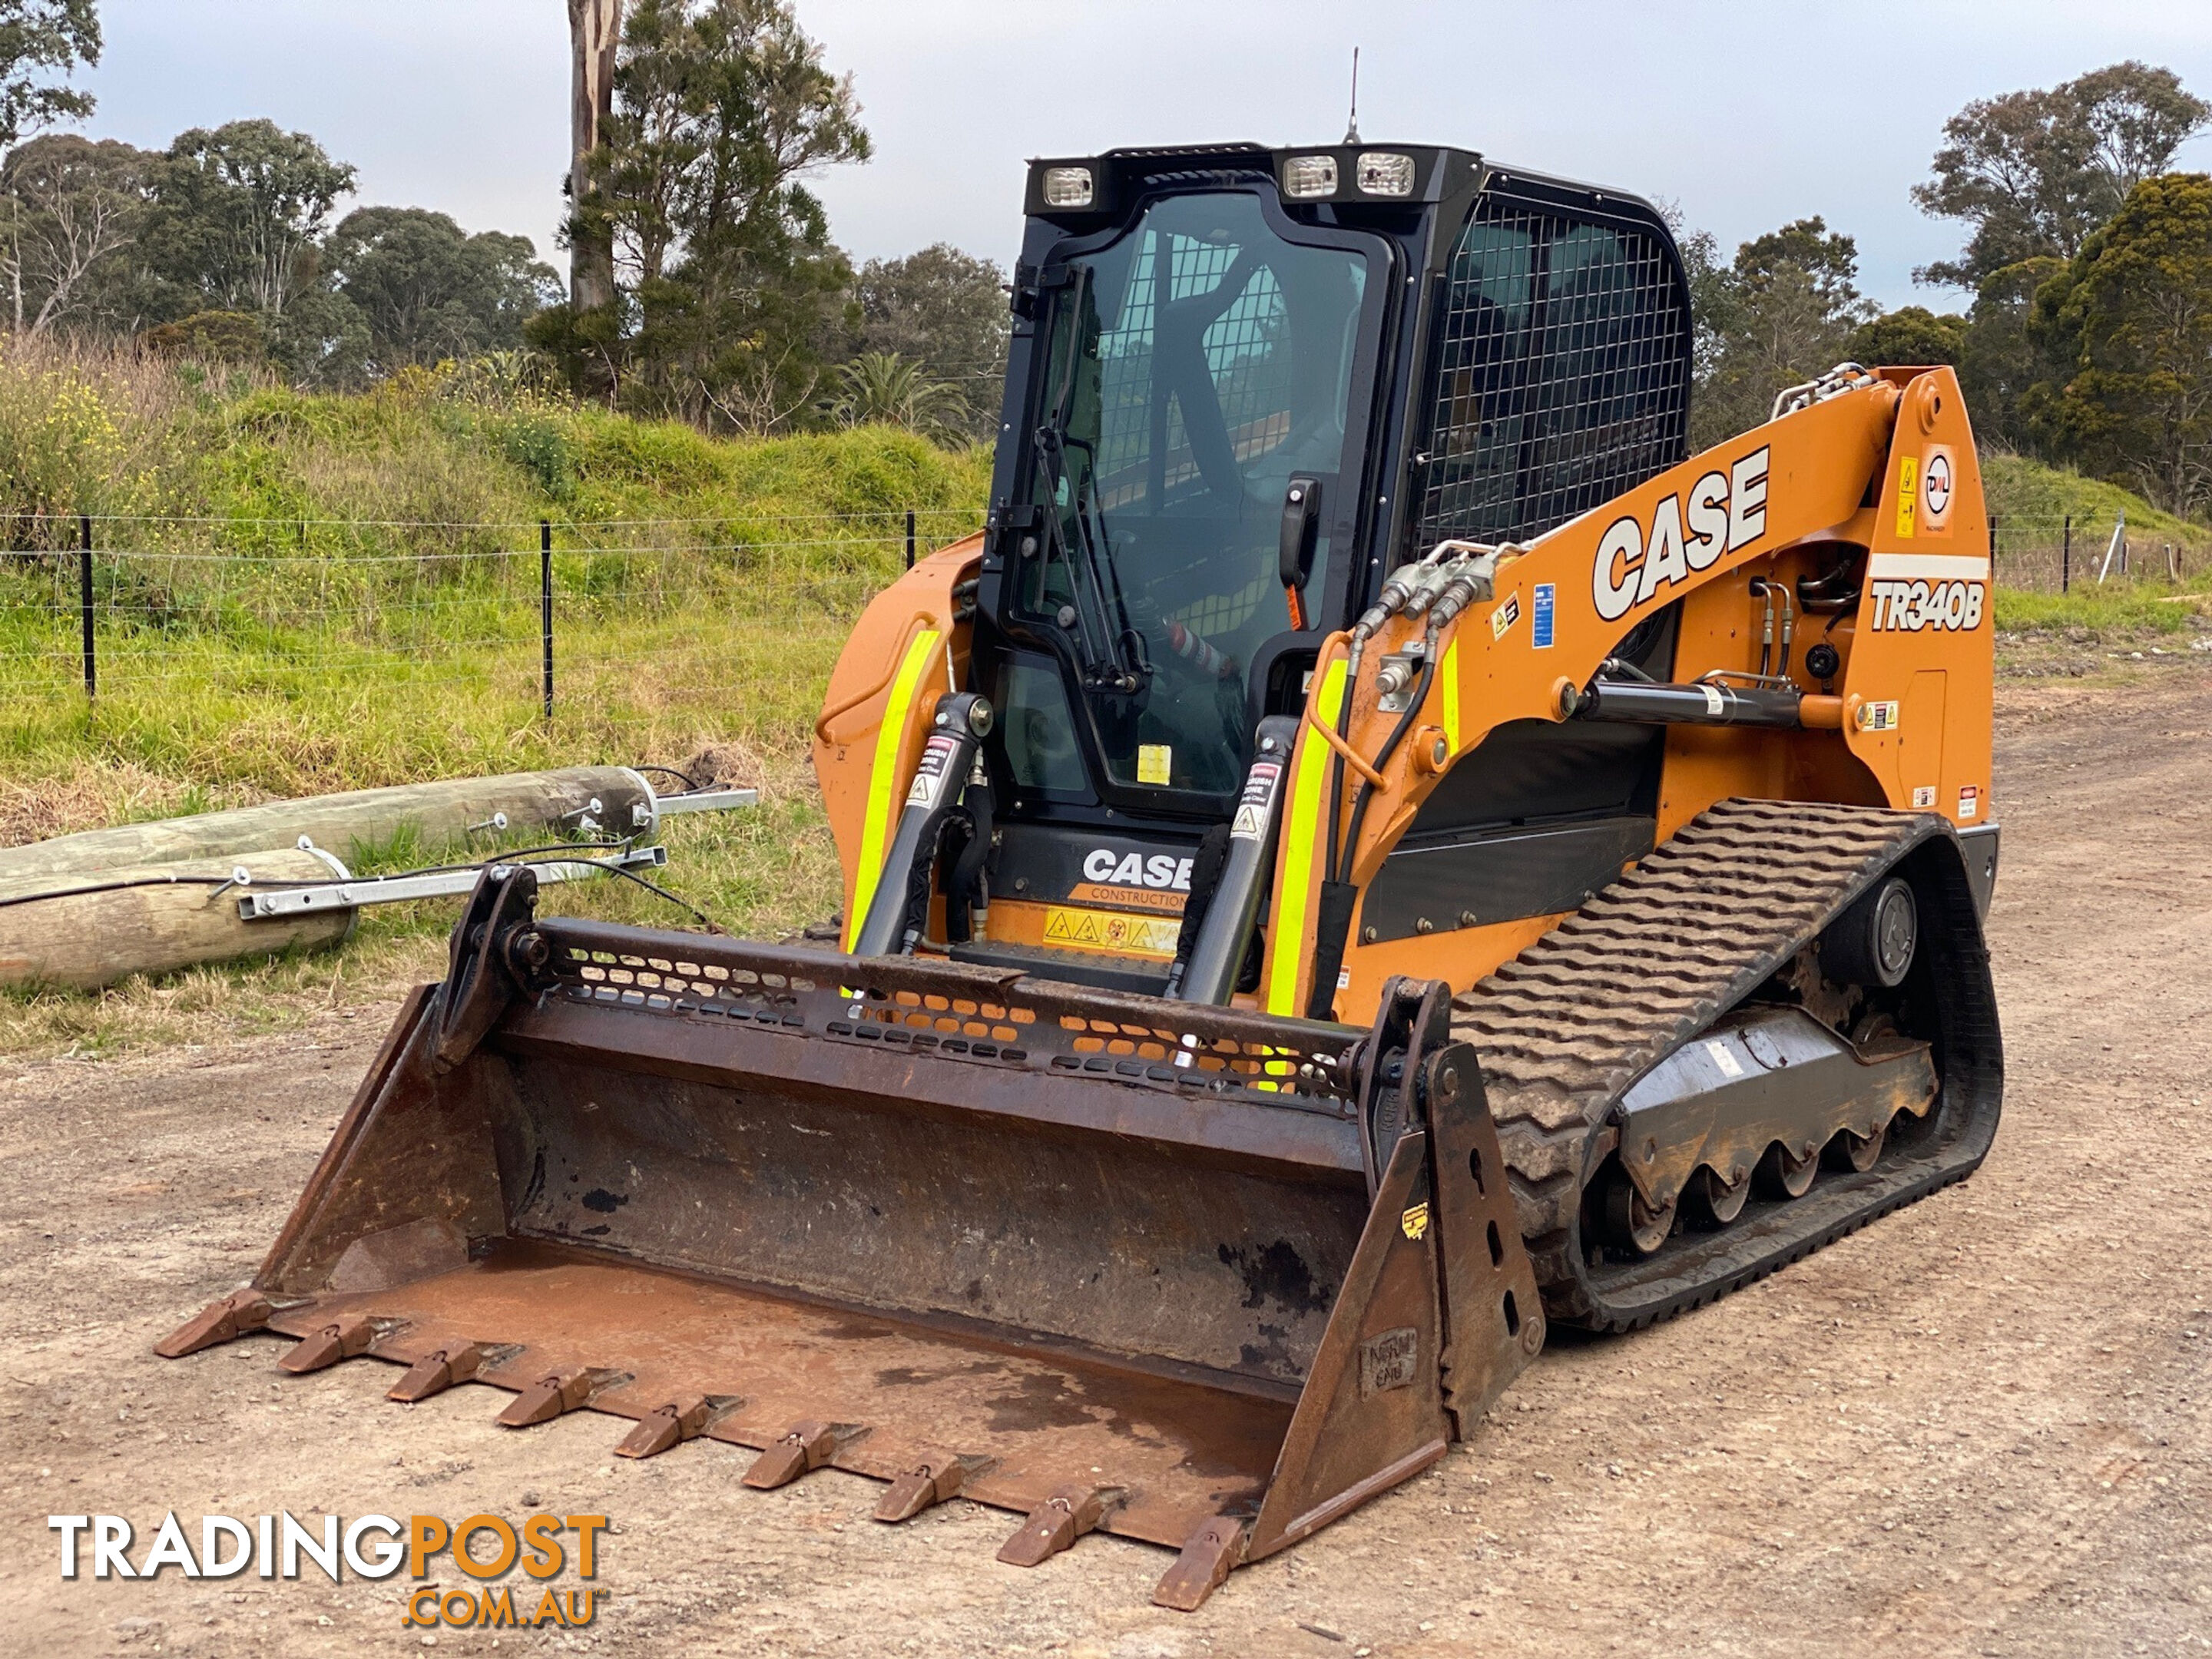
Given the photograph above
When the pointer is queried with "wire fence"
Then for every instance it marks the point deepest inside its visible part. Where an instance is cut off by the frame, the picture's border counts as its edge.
(2046, 555)
(536, 619)
(165, 619)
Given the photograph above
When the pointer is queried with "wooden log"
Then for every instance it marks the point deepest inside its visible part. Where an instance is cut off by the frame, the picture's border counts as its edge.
(92, 929)
(441, 813)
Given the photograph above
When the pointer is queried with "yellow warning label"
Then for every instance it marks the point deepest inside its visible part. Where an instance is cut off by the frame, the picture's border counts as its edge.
(1908, 494)
(1415, 1222)
(1109, 930)
(1155, 761)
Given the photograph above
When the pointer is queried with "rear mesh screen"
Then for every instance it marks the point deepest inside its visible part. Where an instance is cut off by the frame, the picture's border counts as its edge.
(1562, 372)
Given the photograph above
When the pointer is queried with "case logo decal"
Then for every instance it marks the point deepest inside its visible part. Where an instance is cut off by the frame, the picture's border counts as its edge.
(1722, 511)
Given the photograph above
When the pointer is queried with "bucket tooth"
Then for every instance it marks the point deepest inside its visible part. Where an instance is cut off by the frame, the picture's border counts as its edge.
(552, 1394)
(342, 1338)
(233, 1316)
(927, 1484)
(685, 1418)
(435, 1372)
(803, 1447)
(1056, 1523)
(1209, 1556)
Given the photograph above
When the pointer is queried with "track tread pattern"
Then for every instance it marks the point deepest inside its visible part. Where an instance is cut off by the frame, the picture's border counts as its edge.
(1566, 1028)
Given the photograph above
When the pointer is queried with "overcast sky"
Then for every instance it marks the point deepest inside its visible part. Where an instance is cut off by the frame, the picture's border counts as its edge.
(1748, 114)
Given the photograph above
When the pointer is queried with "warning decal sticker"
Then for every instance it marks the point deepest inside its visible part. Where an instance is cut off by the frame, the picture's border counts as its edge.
(937, 757)
(1109, 930)
(1250, 822)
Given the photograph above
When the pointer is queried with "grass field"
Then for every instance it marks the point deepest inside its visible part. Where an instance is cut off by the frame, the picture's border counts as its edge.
(297, 593)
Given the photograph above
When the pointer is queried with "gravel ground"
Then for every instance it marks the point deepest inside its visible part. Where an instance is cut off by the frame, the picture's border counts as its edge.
(1981, 1426)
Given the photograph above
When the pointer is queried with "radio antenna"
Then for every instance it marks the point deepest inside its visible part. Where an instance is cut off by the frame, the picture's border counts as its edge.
(1352, 126)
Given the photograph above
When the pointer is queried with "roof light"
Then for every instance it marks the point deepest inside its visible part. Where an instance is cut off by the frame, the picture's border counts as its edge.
(1305, 177)
(1386, 173)
(1068, 187)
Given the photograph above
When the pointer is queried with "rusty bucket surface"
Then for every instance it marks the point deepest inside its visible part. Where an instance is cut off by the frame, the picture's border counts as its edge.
(1185, 1274)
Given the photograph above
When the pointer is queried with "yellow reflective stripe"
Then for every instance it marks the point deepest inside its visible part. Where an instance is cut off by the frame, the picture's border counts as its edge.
(1300, 842)
(1451, 694)
(883, 781)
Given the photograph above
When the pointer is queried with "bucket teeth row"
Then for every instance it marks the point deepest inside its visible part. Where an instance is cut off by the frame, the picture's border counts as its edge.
(680, 1419)
(1056, 1523)
(803, 1446)
(1207, 1559)
(233, 1316)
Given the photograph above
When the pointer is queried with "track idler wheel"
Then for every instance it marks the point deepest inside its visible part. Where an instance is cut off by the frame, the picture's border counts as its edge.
(1873, 942)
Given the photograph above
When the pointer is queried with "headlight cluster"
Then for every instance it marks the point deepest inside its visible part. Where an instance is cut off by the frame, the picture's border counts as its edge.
(1376, 173)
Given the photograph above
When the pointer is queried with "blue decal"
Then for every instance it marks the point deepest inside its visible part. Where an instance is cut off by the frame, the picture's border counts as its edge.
(1543, 623)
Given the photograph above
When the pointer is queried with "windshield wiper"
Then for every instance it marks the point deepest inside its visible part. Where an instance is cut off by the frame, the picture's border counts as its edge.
(1110, 651)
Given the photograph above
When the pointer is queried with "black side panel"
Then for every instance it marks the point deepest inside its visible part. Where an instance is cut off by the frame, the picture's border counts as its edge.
(1527, 770)
(1501, 876)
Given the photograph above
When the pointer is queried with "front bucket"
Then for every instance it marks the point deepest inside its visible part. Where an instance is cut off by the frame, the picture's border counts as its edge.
(1181, 1273)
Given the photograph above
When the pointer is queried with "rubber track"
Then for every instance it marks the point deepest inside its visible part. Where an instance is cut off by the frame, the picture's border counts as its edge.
(1566, 1028)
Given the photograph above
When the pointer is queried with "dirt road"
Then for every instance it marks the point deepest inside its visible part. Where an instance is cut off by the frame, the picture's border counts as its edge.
(1982, 1426)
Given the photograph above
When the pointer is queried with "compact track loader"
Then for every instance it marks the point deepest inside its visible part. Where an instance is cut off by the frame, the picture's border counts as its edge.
(1372, 852)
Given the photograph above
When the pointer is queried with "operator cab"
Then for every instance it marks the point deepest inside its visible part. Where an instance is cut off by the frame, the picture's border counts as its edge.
(1243, 385)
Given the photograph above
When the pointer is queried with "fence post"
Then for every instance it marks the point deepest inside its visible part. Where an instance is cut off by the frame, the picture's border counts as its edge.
(545, 605)
(84, 599)
(1993, 548)
(909, 538)
(2066, 557)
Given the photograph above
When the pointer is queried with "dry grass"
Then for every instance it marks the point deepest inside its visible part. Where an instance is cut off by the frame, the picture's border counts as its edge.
(338, 646)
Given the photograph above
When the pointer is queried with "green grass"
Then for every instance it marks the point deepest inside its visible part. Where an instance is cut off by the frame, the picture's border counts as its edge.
(358, 630)
(2017, 488)
(2111, 612)
(703, 590)
(2031, 503)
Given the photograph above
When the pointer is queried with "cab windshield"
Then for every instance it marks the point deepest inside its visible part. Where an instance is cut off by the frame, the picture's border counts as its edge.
(1194, 368)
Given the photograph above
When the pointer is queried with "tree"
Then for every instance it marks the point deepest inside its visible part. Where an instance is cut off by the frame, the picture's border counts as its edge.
(2131, 318)
(730, 290)
(425, 289)
(2034, 172)
(944, 311)
(212, 337)
(883, 387)
(69, 208)
(1783, 312)
(1911, 335)
(2003, 361)
(595, 29)
(38, 40)
(241, 210)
